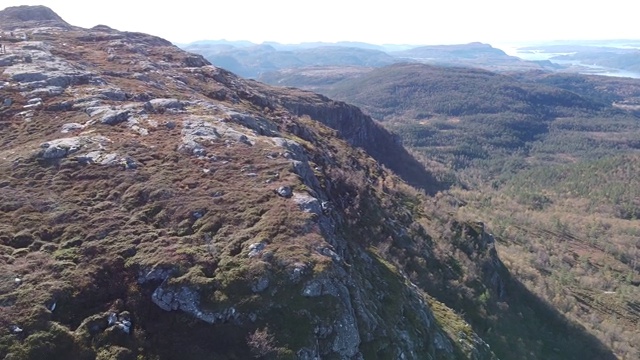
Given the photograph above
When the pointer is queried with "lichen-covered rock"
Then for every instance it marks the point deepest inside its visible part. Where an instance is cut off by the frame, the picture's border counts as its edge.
(196, 61)
(69, 127)
(107, 159)
(256, 249)
(113, 94)
(195, 132)
(114, 117)
(52, 72)
(56, 149)
(261, 126)
(61, 148)
(161, 105)
(294, 149)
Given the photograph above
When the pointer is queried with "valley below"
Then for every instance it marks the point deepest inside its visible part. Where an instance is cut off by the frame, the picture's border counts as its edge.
(548, 161)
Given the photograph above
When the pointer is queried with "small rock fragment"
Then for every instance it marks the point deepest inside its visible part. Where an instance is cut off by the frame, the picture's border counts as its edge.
(124, 325)
(256, 248)
(330, 253)
(129, 163)
(312, 289)
(298, 271)
(113, 318)
(261, 285)
(15, 329)
(284, 191)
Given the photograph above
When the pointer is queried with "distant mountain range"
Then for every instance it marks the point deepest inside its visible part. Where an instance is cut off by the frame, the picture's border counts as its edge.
(252, 60)
(247, 59)
(304, 45)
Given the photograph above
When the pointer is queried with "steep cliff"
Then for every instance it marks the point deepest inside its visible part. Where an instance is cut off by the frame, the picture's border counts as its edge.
(362, 132)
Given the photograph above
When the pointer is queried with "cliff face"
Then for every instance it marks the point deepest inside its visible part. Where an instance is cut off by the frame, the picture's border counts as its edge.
(156, 206)
(362, 132)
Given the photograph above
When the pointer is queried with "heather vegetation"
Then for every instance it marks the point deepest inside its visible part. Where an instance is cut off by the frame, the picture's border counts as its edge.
(156, 207)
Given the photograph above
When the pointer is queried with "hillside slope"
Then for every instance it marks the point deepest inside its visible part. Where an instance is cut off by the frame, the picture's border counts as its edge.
(390, 90)
(458, 115)
(156, 206)
(475, 55)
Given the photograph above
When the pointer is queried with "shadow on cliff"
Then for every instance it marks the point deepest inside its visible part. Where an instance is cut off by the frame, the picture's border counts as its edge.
(550, 333)
(521, 325)
(169, 335)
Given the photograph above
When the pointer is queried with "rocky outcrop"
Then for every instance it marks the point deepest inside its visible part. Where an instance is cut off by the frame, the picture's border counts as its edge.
(188, 300)
(44, 70)
(162, 105)
(59, 148)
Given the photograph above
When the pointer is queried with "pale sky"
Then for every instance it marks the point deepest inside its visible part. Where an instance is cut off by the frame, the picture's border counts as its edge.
(377, 22)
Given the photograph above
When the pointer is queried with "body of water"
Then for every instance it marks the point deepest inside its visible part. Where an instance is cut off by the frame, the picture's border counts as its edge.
(575, 66)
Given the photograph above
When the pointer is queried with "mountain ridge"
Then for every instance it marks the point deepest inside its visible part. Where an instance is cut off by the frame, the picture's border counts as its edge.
(157, 206)
(251, 60)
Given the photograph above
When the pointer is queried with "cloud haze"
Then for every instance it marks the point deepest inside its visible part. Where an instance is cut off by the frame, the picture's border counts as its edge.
(399, 21)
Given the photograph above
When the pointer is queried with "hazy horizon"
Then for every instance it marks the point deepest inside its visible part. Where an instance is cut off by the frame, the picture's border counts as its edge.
(496, 22)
